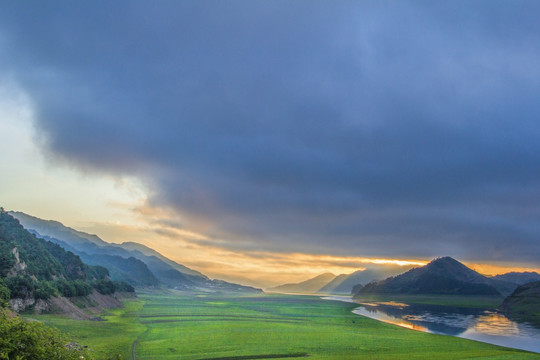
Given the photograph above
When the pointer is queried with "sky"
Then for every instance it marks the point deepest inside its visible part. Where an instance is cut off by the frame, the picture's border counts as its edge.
(263, 141)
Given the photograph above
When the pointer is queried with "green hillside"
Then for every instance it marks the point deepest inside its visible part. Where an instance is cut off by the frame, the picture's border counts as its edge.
(524, 303)
(35, 268)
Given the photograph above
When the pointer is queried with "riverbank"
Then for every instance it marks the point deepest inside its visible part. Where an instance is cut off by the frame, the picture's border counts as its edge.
(480, 324)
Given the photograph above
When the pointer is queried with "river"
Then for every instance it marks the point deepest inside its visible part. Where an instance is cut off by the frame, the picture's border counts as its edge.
(475, 324)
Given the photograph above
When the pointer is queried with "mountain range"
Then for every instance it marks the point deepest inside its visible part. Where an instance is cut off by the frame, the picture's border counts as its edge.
(131, 262)
(518, 277)
(141, 266)
(342, 284)
(442, 276)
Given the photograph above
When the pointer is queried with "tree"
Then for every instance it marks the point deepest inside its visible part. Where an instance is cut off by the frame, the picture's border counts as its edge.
(20, 339)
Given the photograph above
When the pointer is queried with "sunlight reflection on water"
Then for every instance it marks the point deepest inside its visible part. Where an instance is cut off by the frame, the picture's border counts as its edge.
(474, 324)
(496, 324)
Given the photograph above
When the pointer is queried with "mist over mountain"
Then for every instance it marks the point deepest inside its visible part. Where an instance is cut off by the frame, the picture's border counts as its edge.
(305, 287)
(344, 283)
(519, 277)
(133, 246)
(131, 270)
(335, 283)
(442, 276)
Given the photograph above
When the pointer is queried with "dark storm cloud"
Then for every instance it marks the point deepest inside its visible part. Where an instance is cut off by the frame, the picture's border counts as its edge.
(378, 128)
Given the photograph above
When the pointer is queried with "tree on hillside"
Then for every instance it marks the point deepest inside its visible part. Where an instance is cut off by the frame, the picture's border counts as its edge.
(20, 339)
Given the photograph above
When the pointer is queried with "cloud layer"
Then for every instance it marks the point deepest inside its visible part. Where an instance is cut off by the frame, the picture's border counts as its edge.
(374, 128)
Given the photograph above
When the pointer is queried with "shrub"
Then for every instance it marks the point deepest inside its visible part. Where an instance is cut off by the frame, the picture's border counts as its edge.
(20, 286)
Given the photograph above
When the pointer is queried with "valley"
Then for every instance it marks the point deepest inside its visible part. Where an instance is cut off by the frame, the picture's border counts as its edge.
(176, 324)
(179, 313)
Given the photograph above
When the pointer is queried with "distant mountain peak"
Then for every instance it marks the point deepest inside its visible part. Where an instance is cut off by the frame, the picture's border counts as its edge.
(325, 275)
(451, 267)
(445, 260)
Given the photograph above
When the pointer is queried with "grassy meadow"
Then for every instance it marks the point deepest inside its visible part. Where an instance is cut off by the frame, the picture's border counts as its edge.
(177, 325)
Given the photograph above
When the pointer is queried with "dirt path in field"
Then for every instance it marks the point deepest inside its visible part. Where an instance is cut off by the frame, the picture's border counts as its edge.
(136, 341)
(133, 348)
(133, 345)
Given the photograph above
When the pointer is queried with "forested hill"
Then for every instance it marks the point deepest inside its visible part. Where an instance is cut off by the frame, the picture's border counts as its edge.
(32, 268)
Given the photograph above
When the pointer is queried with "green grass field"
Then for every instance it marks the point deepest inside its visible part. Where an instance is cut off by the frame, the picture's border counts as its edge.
(176, 325)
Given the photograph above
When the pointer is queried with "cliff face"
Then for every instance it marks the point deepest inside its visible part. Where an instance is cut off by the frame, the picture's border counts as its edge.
(19, 265)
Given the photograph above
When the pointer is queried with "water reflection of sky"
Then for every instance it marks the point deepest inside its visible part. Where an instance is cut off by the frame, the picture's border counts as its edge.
(474, 324)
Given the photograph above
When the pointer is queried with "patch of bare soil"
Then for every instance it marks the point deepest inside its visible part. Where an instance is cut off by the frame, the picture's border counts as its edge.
(64, 306)
(84, 307)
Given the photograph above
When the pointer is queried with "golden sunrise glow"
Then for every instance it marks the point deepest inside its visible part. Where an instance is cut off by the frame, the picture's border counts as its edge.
(396, 262)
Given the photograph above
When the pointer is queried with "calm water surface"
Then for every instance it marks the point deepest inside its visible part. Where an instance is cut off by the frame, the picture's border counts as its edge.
(475, 324)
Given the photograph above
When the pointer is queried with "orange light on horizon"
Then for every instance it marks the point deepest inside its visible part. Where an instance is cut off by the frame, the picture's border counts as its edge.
(396, 262)
(491, 270)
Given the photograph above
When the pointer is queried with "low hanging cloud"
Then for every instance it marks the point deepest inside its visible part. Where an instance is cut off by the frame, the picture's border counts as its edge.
(376, 128)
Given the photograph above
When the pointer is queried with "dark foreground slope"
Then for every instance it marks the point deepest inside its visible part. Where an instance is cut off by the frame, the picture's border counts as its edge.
(41, 274)
(524, 303)
(442, 276)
